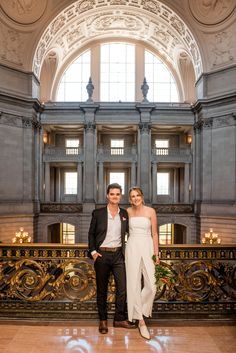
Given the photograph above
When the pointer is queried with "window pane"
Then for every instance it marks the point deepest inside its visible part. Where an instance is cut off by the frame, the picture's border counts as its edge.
(162, 143)
(72, 146)
(163, 183)
(70, 183)
(72, 86)
(117, 72)
(118, 177)
(165, 234)
(162, 86)
(68, 233)
(162, 147)
(117, 147)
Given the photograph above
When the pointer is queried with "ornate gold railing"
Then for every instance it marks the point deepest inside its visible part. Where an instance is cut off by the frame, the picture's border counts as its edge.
(58, 281)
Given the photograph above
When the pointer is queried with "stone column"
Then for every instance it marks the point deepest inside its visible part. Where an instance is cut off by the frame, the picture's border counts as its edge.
(28, 160)
(145, 159)
(186, 183)
(89, 161)
(144, 148)
(206, 181)
(90, 156)
(100, 183)
(47, 182)
(133, 174)
(79, 182)
(58, 184)
(176, 185)
(41, 165)
(154, 182)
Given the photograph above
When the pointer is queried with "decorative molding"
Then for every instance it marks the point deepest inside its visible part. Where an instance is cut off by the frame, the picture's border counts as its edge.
(10, 119)
(87, 20)
(216, 122)
(173, 208)
(224, 121)
(12, 44)
(60, 208)
(222, 44)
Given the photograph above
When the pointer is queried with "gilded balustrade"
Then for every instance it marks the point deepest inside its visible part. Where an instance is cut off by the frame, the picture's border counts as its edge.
(54, 280)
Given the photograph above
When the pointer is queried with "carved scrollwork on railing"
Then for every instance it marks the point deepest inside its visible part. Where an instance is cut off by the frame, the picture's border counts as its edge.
(200, 281)
(48, 279)
(35, 281)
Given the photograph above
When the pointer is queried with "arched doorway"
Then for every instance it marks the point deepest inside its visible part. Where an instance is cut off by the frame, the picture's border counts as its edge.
(171, 233)
(62, 233)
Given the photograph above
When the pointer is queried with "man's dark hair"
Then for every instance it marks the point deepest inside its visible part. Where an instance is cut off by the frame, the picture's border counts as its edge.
(114, 186)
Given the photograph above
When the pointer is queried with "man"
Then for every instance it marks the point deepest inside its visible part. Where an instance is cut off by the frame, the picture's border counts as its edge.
(106, 246)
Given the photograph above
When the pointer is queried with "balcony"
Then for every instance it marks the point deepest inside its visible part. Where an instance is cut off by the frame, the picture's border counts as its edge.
(172, 154)
(62, 154)
(117, 154)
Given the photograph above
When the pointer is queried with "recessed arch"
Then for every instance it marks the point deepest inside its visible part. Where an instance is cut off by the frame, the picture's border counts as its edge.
(61, 232)
(172, 233)
(149, 21)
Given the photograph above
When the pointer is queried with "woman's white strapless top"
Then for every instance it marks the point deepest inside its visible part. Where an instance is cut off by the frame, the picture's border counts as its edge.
(139, 226)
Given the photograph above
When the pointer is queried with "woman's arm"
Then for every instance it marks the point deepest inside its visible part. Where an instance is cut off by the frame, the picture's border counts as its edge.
(155, 239)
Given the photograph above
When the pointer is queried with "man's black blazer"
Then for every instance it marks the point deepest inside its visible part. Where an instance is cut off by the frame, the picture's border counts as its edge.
(98, 228)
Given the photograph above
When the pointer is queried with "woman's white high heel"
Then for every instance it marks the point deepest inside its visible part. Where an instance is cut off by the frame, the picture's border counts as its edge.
(144, 332)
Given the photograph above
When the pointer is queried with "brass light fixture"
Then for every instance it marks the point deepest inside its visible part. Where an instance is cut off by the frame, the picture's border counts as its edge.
(211, 238)
(21, 237)
(45, 137)
(189, 139)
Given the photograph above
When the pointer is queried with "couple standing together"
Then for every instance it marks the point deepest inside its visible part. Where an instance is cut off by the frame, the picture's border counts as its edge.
(127, 263)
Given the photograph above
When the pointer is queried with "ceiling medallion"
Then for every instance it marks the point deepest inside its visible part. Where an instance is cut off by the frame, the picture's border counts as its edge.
(24, 11)
(211, 12)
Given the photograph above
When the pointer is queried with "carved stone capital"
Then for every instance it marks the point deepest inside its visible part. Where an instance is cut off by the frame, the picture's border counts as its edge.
(203, 124)
(144, 127)
(28, 123)
(90, 126)
(207, 123)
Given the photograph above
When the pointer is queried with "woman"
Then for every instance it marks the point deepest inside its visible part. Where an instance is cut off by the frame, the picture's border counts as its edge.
(141, 245)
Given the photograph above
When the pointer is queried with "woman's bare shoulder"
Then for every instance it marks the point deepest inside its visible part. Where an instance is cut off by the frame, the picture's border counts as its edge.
(150, 210)
(129, 209)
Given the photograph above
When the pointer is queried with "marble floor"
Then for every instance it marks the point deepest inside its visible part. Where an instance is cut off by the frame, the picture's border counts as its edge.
(83, 337)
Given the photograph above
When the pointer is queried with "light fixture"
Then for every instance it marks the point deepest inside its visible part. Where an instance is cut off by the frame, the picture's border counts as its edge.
(21, 237)
(189, 139)
(45, 137)
(211, 238)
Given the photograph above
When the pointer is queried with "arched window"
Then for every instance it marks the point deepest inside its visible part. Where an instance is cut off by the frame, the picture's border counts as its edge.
(162, 86)
(72, 86)
(117, 72)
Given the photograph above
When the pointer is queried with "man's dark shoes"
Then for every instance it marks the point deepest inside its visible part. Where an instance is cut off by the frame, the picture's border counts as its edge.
(103, 326)
(124, 324)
